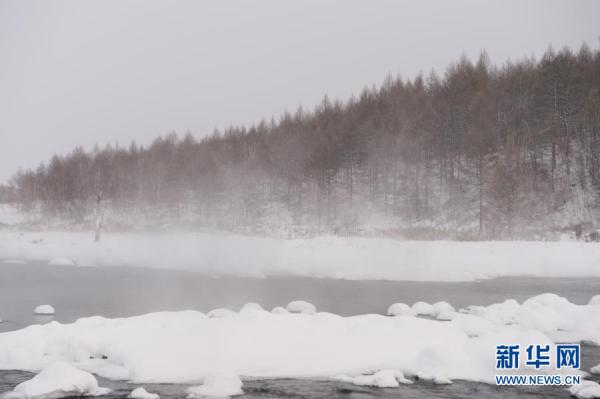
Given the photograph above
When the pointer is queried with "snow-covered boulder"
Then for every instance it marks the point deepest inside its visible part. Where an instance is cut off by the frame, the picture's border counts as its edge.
(301, 307)
(58, 380)
(400, 309)
(279, 310)
(220, 312)
(44, 310)
(595, 301)
(141, 393)
(585, 390)
(385, 378)
(217, 384)
(251, 307)
(61, 262)
(595, 369)
(442, 307)
(423, 308)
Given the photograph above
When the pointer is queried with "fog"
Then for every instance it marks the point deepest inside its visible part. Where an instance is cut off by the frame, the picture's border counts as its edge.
(80, 73)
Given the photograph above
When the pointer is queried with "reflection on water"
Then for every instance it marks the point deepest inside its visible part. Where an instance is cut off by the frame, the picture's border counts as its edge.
(115, 292)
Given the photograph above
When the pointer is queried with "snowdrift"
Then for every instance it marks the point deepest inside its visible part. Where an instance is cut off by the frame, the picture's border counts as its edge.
(188, 346)
(325, 257)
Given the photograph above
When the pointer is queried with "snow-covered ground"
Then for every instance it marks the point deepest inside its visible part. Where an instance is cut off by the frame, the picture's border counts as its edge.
(188, 346)
(326, 257)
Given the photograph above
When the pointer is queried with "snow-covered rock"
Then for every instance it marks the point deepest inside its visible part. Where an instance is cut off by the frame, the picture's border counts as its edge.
(385, 378)
(58, 380)
(44, 310)
(400, 309)
(61, 262)
(301, 307)
(220, 312)
(251, 307)
(585, 390)
(141, 393)
(217, 384)
(595, 369)
(422, 308)
(279, 310)
(442, 307)
(595, 301)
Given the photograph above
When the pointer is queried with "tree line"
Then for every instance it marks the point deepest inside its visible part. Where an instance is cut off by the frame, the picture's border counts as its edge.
(483, 151)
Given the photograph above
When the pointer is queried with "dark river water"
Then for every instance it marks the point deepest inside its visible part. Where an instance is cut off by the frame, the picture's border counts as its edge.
(123, 291)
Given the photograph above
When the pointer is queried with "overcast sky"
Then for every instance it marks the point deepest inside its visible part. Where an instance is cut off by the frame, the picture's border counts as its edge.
(85, 72)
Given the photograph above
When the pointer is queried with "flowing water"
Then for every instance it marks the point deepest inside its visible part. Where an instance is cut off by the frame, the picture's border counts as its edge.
(122, 291)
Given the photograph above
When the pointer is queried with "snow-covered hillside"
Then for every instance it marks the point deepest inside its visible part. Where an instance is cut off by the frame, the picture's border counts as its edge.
(326, 257)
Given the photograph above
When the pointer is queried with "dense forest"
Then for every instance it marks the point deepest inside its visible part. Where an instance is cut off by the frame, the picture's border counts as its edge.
(482, 152)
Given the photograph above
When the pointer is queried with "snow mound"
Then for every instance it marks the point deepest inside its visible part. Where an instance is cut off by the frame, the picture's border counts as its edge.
(44, 310)
(400, 309)
(217, 384)
(58, 380)
(585, 390)
(595, 301)
(423, 308)
(595, 369)
(220, 312)
(442, 307)
(385, 378)
(141, 393)
(279, 310)
(61, 262)
(251, 307)
(301, 307)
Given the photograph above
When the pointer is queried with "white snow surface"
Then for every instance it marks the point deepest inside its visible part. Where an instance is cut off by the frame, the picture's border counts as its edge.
(188, 346)
(586, 390)
(141, 393)
(58, 380)
(44, 310)
(327, 257)
(595, 369)
(220, 383)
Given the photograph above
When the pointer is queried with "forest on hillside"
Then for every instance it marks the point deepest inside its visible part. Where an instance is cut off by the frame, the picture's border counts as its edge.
(484, 151)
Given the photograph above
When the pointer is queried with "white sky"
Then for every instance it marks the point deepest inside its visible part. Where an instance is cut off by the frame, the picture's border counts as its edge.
(85, 72)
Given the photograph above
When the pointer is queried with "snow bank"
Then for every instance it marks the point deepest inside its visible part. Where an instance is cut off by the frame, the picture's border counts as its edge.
(141, 393)
(327, 257)
(189, 346)
(217, 384)
(58, 380)
(44, 310)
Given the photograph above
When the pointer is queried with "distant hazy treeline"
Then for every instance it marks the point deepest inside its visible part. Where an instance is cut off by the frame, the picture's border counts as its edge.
(483, 151)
